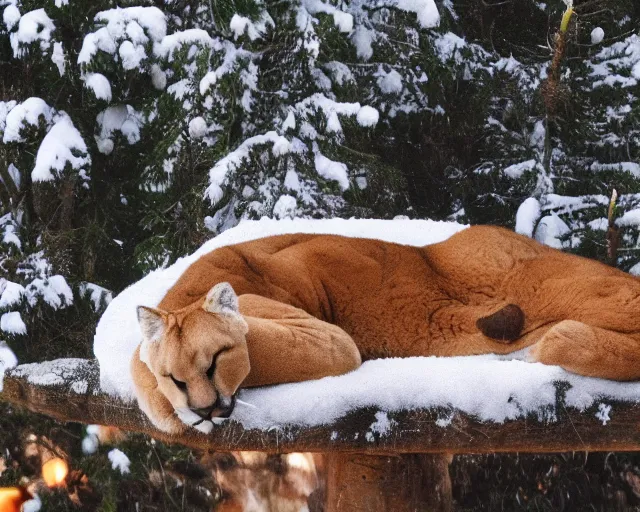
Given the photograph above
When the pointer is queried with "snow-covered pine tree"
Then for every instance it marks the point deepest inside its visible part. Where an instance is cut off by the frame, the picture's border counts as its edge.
(554, 155)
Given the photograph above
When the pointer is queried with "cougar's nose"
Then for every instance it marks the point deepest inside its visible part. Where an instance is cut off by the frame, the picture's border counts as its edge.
(204, 412)
(223, 407)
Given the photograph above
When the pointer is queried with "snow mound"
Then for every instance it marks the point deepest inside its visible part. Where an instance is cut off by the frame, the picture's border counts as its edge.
(490, 387)
(118, 334)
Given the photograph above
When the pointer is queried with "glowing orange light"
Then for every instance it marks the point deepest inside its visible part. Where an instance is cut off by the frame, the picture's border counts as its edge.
(54, 472)
(12, 498)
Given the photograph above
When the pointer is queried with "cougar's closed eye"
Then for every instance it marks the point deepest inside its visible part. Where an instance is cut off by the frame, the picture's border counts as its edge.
(212, 368)
(182, 386)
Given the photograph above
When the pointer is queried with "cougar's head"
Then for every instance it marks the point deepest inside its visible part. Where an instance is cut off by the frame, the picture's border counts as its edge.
(198, 354)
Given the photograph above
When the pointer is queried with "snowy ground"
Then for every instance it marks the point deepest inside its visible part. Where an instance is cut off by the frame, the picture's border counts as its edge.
(493, 388)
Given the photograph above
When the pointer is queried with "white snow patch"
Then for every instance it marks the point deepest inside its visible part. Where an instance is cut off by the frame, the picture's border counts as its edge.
(550, 230)
(389, 83)
(10, 293)
(12, 323)
(218, 174)
(33, 26)
(99, 84)
(516, 171)
(57, 150)
(255, 30)
(381, 426)
(10, 16)
(363, 38)
(630, 218)
(119, 461)
(29, 111)
(207, 81)
(54, 290)
(122, 118)
(367, 116)
(285, 207)
(99, 296)
(331, 170)
(8, 360)
(118, 333)
(527, 216)
(58, 57)
(603, 413)
(597, 35)
(131, 55)
(32, 505)
(197, 127)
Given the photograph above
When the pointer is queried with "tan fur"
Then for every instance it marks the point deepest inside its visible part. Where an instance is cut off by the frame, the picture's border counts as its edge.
(316, 305)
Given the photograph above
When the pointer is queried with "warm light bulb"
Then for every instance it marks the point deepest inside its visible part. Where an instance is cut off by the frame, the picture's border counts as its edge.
(12, 498)
(54, 472)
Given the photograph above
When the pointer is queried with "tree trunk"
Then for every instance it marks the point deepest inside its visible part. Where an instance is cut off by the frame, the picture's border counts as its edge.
(397, 483)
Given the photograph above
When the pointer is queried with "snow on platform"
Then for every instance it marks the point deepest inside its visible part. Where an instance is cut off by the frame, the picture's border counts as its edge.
(490, 388)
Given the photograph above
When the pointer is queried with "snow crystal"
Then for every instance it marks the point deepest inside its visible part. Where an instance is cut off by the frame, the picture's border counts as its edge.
(119, 461)
(380, 427)
(603, 413)
(33, 26)
(29, 111)
(12, 323)
(389, 83)
(99, 84)
(285, 207)
(58, 57)
(597, 35)
(197, 127)
(10, 16)
(10, 293)
(367, 116)
(527, 216)
(331, 170)
(118, 333)
(57, 150)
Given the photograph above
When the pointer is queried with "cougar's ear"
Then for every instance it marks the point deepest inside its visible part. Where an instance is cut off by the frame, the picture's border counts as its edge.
(152, 323)
(221, 299)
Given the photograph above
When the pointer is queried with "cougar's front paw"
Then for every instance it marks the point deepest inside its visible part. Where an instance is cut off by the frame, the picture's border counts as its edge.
(190, 418)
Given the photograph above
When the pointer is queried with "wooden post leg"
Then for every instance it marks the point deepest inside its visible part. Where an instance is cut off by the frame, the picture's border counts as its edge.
(401, 483)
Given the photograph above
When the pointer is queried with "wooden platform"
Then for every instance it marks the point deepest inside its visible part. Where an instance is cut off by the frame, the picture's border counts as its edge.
(404, 469)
